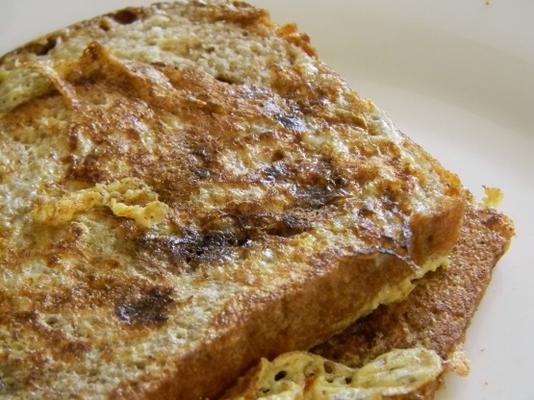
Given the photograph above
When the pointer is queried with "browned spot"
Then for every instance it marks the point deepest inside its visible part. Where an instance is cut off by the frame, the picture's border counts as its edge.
(16, 373)
(42, 46)
(54, 260)
(289, 225)
(226, 79)
(61, 346)
(317, 196)
(316, 98)
(192, 248)
(127, 15)
(236, 12)
(151, 309)
(292, 35)
(104, 25)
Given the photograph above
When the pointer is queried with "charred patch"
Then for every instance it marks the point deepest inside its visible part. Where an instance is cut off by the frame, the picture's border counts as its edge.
(254, 223)
(319, 185)
(315, 184)
(193, 248)
(151, 309)
(320, 190)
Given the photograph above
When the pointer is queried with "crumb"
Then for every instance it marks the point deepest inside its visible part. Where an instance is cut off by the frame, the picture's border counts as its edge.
(458, 362)
(488, 2)
(485, 383)
(482, 350)
(492, 197)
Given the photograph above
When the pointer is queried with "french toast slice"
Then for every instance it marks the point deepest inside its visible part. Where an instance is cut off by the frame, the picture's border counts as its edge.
(437, 313)
(434, 317)
(186, 188)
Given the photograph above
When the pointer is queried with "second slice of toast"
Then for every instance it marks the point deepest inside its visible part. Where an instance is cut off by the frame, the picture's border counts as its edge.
(437, 313)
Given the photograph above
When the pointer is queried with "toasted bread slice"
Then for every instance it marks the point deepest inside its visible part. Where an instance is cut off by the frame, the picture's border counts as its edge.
(435, 316)
(437, 313)
(186, 188)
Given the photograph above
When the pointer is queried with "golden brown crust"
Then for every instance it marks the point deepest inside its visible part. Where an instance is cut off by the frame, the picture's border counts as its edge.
(438, 311)
(270, 326)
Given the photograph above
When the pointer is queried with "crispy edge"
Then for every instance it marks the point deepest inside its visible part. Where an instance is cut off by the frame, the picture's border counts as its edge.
(43, 44)
(245, 16)
(288, 320)
(439, 310)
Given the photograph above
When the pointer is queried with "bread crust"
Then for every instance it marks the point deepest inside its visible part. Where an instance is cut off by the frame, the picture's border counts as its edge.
(270, 326)
(438, 312)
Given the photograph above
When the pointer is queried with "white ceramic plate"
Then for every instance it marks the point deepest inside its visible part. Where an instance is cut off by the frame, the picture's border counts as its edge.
(457, 76)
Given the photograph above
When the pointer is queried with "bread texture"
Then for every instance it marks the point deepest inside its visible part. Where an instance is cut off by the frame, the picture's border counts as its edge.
(186, 188)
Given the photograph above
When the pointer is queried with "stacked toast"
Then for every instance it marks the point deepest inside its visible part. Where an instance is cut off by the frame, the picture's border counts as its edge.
(187, 189)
